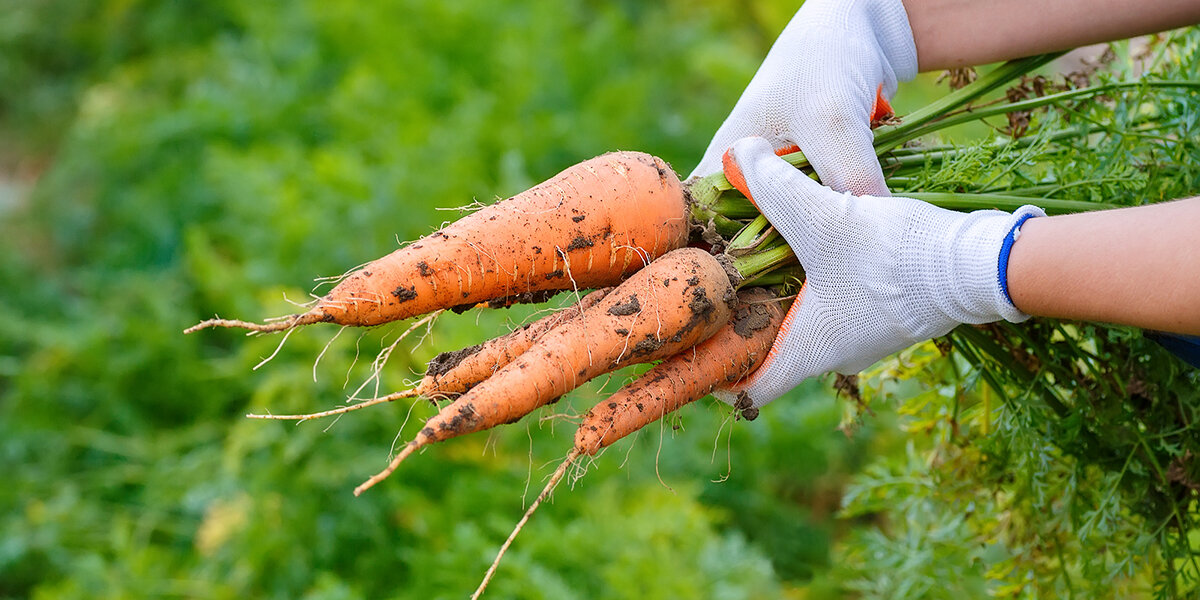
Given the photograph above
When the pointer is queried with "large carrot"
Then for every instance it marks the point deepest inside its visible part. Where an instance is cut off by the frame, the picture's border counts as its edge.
(587, 227)
(450, 374)
(731, 354)
(677, 301)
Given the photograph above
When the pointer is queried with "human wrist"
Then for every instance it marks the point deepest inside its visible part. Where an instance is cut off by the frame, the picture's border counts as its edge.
(1006, 247)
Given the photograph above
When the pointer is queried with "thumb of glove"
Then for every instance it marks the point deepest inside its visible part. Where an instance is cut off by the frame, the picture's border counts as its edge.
(794, 204)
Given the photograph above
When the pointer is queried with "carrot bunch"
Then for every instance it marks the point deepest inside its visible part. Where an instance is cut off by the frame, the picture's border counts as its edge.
(621, 225)
(618, 224)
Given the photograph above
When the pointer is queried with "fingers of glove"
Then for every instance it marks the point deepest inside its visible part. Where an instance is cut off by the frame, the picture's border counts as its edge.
(817, 338)
(798, 207)
(733, 174)
(838, 142)
(733, 130)
(833, 123)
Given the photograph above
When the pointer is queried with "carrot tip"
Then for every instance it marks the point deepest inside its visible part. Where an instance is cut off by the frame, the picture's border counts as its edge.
(380, 476)
(283, 324)
(553, 483)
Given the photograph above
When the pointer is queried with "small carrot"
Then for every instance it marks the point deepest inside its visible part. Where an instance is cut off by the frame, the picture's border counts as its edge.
(587, 227)
(674, 303)
(731, 354)
(450, 374)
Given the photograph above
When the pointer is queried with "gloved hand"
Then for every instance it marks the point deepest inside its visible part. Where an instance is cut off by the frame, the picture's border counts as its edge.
(828, 75)
(882, 273)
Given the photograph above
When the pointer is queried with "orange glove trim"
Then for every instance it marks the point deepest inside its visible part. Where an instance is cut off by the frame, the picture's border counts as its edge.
(881, 111)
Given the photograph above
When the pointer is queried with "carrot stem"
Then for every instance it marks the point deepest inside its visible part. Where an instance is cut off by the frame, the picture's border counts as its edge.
(976, 201)
(889, 137)
(725, 226)
(791, 277)
(752, 265)
(735, 207)
(1030, 104)
(750, 237)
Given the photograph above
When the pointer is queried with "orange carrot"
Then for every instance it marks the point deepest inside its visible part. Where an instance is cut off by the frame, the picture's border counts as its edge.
(677, 301)
(450, 374)
(587, 227)
(728, 356)
(722, 360)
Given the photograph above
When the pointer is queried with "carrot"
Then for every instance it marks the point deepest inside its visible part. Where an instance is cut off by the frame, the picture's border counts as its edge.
(720, 361)
(450, 374)
(731, 354)
(587, 227)
(677, 301)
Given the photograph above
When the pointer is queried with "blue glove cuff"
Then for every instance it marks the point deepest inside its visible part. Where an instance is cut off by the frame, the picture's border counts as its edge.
(1006, 249)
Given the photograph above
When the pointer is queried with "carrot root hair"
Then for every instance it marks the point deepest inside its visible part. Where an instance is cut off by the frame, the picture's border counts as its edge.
(546, 491)
(284, 324)
(337, 411)
(385, 354)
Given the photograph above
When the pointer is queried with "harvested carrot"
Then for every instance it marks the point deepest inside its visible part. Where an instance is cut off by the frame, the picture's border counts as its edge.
(731, 354)
(677, 301)
(450, 374)
(720, 361)
(587, 227)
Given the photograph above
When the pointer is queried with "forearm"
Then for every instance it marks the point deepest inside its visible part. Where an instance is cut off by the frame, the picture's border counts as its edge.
(1134, 266)
(960, 33)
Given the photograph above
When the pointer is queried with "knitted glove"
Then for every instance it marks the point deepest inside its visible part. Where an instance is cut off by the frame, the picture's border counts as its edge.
(882, 273)
(827, 77)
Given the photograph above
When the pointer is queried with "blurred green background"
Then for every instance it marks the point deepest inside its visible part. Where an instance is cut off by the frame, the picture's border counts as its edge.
(161, 162)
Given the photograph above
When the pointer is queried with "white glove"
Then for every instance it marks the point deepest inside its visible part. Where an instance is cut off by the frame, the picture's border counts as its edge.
(882, 273)
(828, 75)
